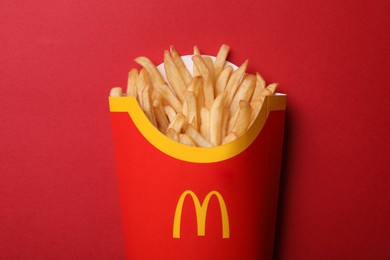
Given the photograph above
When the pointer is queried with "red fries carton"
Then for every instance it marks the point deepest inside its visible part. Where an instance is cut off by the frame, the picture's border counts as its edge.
(183, 202)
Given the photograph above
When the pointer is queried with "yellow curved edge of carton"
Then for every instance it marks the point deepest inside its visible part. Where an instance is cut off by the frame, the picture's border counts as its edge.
(190, 153)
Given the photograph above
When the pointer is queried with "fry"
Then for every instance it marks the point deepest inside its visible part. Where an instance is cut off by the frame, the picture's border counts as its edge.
(225, 121)
(222, 80)
(141, 82)
(256, 107)
(234, 82)
(195, 70)
(185, 139)
(216, 118)
(210, 67)
(132, 83)
(172, 134)
(170, 97)
(197, 87)
(192, 115)
(260, 85)
(212, 105)
(151, 69)
(221, 59)
(205, 123)
(186, 75)
(177, 122)
(161, 117)
(200, 65)
(208, 92)
(243, 118)
(116, 92)
(174, 77)
(230, 138)
(197, 137)
(272, 88)
(232, 121)
(244, 91)
(170, 112)
(147, 106)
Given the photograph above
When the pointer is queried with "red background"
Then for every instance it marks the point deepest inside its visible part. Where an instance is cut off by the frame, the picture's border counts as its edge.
(58, 60)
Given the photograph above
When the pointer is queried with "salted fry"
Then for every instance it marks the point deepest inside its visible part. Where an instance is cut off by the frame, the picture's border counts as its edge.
(185, 139)
(151, 69)
(234, 82)
(243, 118)
(216, 118)
(132, 83)
(116, 92)
(197, 137)
(244, 91)
(174, 77)
(177, 122)
(221, 59)
(186, 75)
(170, 97)
(222, 80)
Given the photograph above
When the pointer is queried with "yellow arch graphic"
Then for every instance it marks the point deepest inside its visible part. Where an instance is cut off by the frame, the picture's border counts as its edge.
(189, 153)
(201, 212)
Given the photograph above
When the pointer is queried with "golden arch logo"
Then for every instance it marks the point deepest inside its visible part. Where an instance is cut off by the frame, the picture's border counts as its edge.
(201, 211)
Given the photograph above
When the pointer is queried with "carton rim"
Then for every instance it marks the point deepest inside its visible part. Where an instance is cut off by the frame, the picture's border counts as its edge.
(190, 153)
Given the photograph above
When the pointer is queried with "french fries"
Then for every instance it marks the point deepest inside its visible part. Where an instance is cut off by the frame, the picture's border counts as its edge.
(212, 106)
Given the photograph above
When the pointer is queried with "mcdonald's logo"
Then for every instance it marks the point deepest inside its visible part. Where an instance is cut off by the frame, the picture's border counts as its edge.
(201, 211)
